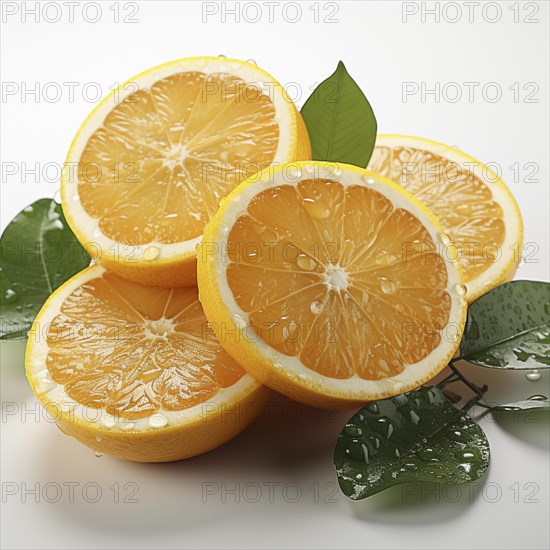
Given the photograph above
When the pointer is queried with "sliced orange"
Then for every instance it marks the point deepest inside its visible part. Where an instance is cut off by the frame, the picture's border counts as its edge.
(329, 284)
(132, 371)
(156, 156)
(471, 201)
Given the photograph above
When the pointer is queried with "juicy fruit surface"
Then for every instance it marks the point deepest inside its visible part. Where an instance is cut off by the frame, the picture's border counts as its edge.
(460, 199)
(157, 167)
(135, 351)
(338, 277)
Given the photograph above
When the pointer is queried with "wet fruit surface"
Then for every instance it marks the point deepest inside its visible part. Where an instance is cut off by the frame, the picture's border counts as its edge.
(135, 351)
(461, 200)
(181, 145)
(347, 283)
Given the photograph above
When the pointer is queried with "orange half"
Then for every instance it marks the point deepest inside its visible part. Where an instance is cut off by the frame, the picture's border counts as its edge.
(156, 156)
(328, 283)
(133, 370)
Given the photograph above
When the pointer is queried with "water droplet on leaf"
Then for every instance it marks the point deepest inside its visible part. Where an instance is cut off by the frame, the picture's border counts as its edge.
(534, 375)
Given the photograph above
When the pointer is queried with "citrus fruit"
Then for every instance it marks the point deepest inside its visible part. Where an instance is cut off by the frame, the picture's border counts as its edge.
(326, 283)
(471, 201)
(149, 165)
(132, 371)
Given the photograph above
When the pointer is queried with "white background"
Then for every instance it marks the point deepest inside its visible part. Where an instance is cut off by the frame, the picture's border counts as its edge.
(382, 52)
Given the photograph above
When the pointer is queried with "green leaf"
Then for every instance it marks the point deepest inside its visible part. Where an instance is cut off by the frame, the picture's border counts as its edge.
(509, 327)
(534, 402)
(38, 252)
(414, 437)
(340, 121)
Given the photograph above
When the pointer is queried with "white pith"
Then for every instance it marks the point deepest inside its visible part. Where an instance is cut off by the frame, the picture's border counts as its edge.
(335, 277)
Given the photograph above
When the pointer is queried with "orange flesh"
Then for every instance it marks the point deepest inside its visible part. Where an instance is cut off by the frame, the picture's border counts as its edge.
(134, 350)
(461, 201)
(338, 278)
(165, 156)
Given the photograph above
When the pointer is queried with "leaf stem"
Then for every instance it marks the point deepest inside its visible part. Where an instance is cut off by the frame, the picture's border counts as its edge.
(448, 380)
(476, 389)
(474, 401)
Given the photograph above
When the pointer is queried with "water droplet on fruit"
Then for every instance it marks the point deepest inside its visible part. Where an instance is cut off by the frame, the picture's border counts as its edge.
(369, 180)
(387, 285)
(252, 61)
(251, 254)
(75, 197)
(157, 420)
(316, 307)
(385, 259)
(305, 262)
(444, 238)
(461, 290)
(98, 454)
(151, 253)
(98, 438)
(533, 375)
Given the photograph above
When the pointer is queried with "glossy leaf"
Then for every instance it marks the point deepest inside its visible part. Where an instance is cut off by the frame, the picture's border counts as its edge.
(340, 121)
(415, 437)
(38, 252)
(534, 402)
(509, 327)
